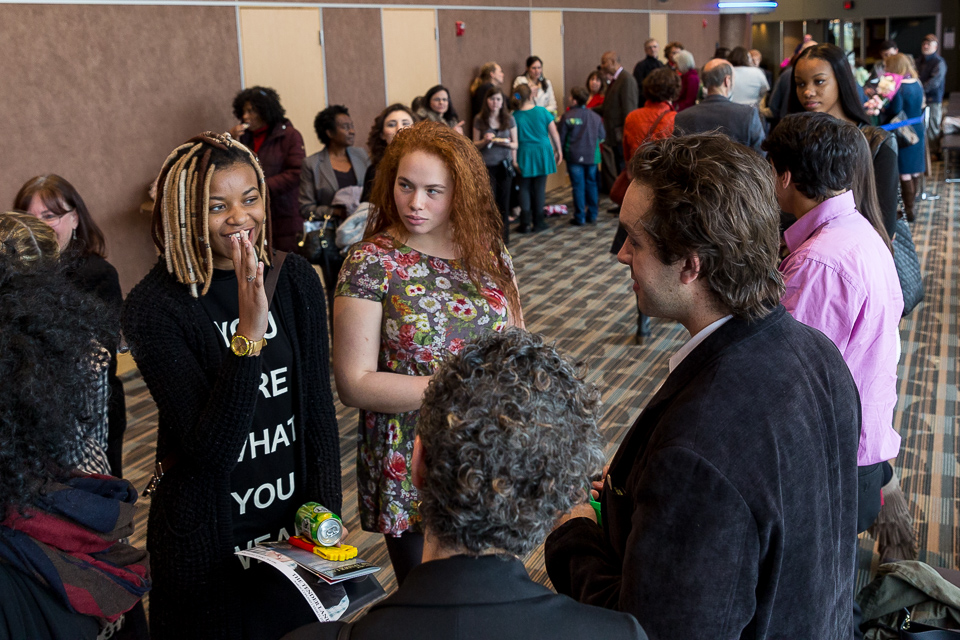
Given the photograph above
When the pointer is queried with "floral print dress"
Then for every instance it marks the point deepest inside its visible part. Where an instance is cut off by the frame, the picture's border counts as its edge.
(430, 309)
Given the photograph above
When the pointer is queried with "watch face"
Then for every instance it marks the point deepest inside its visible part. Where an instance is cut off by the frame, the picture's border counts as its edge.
(239, 345)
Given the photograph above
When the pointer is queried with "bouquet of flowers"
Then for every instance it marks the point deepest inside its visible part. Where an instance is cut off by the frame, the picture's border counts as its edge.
(887, 88)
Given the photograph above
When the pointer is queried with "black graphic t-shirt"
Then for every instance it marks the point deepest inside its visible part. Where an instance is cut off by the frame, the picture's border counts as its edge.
(263, 485)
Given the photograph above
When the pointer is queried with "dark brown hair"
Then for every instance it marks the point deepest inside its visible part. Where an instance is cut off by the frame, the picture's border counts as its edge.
(503, 118)
(61, 198)
(581, 95)
(474, 216)
(715, 198)
(375, 141)
(662, 85)
(599, 76)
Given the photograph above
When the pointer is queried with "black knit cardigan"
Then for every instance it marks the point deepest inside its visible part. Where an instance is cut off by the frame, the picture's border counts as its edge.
(205, 400)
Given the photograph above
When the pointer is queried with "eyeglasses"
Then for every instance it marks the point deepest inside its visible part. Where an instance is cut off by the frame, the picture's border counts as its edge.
(52, 219)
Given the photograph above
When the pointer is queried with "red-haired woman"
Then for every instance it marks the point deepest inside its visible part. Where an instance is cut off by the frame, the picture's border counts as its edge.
(56, 202)
(430, 274)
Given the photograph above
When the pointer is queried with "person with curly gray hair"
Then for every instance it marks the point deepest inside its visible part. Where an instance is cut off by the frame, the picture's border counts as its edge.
(506, 441)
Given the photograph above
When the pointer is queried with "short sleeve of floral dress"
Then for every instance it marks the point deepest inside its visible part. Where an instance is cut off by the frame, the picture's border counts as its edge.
(430, 309)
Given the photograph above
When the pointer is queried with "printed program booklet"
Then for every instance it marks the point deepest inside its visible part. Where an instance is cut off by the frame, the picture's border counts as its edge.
(334, 590)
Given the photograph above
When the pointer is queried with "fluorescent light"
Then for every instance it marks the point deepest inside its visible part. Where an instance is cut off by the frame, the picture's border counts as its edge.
(759, 6)
(747, 5)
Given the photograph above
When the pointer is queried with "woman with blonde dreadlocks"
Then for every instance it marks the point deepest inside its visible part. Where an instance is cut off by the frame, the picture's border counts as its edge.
(247, 429)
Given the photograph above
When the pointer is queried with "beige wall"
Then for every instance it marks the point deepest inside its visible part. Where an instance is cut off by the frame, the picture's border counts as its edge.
(271, 39)
(104, 101)
(102, 94)
(409, 53)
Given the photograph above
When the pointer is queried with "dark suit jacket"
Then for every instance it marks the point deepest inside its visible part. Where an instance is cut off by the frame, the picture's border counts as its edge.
(739, 121)
(466, 598)
(622, 98)
(729, 510)
(318, 182)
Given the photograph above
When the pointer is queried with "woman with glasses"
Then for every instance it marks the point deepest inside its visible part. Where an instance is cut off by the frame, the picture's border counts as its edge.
(56, 202)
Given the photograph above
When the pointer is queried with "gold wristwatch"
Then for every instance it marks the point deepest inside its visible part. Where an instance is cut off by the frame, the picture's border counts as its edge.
(243, 346)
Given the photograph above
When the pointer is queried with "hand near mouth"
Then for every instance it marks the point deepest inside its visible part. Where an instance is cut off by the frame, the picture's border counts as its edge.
(252, 297)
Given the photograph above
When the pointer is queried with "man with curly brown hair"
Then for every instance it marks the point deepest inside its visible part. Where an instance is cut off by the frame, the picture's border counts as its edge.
(506, 439)
(729, 510)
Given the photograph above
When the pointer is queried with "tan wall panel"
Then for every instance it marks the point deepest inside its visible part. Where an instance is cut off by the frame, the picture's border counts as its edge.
(588, 35)
(546, 42)
(658, 30)
(353, 46)
(410, 53)
(698, 39)
(104, 101)
(499, 36)
(281, 50)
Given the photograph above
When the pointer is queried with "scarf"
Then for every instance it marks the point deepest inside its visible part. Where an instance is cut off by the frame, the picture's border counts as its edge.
(69, 541)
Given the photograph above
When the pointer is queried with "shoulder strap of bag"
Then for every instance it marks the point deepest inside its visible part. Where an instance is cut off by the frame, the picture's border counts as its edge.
(656, 123)
(270, 282)
(344, 633)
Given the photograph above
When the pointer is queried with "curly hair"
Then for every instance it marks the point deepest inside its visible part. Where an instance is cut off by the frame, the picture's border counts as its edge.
(180, 219)
(474, 215)
(662, 85)
(27, 240)
(715, 198)
(49, 331)
(327, 120)
(508, 431)
(60, 197)
(265, 101)
(375, 141)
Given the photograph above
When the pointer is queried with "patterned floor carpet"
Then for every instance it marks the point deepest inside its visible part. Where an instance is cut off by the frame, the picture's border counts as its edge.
(575, 294)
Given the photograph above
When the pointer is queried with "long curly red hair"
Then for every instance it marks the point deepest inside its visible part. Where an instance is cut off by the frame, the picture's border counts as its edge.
(476, 220)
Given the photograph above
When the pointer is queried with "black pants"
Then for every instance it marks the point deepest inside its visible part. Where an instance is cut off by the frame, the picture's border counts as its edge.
(533, 195)
(500, 183)
(870, 479)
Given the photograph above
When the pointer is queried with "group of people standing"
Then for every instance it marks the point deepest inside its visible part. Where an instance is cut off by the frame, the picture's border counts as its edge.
(230, 333)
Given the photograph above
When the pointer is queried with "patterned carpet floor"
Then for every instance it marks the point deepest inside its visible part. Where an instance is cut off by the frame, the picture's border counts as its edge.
(574, 293)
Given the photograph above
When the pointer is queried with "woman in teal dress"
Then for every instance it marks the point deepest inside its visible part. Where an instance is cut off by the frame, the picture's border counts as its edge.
(538, 155)
(430, 274)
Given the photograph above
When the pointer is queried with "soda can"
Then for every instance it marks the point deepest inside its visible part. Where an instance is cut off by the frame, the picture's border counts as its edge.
(318, 524)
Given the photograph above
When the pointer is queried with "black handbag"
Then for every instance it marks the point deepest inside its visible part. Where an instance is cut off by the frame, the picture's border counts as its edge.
(318, 241)
(908, 266)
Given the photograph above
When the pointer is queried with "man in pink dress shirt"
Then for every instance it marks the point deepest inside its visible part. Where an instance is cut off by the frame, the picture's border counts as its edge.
(841, 279)
(840, 276)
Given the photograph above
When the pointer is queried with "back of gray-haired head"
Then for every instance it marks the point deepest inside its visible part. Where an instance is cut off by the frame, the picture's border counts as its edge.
(508, 430)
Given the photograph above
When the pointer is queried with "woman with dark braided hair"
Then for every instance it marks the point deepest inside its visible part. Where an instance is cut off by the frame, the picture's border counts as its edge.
(247, 430)
(265, 129)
